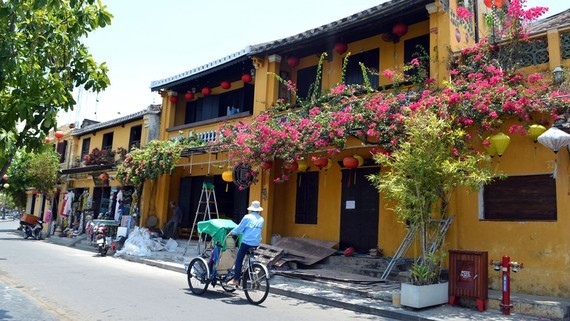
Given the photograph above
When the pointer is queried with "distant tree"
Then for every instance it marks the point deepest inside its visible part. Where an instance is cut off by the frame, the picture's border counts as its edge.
(38, 170)
(42, 59)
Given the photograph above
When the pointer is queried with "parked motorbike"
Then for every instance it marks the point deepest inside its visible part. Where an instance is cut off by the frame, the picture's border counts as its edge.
(101, 239)
(32, 230)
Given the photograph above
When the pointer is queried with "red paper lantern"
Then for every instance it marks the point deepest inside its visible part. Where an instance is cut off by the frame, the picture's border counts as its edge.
(246, 78)
(266, 165)
(174, 99)
(58, 134)
(48, 140)
(293, 61)
(291, 167)
(321, 162)
(497, 3)
(206, 91)
(226, 84)
(350, 162)
(340, 48)
(400, 29)
(189, 96)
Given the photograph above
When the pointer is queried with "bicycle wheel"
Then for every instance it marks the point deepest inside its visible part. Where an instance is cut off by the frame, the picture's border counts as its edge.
(255, 284)
(198, 276)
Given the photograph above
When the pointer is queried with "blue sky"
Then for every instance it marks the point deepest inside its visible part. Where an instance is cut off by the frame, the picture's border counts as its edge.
(151, 40)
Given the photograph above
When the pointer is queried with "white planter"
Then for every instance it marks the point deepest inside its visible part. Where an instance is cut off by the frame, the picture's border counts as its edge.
(421, 296)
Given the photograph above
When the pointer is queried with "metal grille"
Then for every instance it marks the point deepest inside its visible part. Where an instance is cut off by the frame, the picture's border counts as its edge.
(534, 52)
(565, 45)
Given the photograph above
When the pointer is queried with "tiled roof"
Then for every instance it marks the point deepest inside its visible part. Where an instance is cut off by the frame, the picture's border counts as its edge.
(383, 11)
(386, 9)
(559, 20)
(199, 70)
(113, 122)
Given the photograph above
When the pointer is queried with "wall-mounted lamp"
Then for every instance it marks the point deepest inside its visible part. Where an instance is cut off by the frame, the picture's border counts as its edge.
(558, 75)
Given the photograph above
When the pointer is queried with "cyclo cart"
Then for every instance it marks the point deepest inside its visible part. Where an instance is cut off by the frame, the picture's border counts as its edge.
(214, 265)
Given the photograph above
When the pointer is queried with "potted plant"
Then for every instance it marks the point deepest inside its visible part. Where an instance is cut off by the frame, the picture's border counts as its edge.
(433, 157)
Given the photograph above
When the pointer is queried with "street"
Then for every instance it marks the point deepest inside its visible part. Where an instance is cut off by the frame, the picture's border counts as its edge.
(71, 284)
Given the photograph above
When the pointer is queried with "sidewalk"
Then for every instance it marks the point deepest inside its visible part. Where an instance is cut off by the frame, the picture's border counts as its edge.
(374, 299)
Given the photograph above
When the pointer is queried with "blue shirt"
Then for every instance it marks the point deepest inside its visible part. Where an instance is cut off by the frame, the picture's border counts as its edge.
(250, 226)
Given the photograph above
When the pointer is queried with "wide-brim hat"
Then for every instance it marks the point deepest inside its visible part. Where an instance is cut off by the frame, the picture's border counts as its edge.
(255, 207)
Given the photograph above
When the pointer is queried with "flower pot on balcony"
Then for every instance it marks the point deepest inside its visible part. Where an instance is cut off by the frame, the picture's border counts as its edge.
(421, 296)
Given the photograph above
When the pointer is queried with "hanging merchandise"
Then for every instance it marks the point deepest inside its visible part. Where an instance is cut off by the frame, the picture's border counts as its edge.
(555, 139)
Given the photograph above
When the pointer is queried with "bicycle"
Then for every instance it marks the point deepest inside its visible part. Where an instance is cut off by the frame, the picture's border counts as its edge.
(215, 266)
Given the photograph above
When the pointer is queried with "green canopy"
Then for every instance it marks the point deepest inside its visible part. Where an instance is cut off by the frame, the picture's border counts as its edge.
(217, 229)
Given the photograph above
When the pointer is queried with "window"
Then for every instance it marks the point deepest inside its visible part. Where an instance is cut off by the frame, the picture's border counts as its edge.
(85, 147)
(520, 198)
(214, 106)
(417, 48)
(107, 141)
(61, 149)
(135, 137)
(305, 78)
(307, 198)
(371, 60)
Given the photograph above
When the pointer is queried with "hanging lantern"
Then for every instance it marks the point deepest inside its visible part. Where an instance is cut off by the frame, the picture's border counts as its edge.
(534, 131)
(291, 167)
(226, 84)
(206, 91)
(174, 99)
(329, 165)
(6, 185)
(500, 142)
(350, 162)
(5, 177)
(488, 146)
(554, 139)
(266, 165)
(104, 177)
(360, 160)
(321, 162)
(302, 165)
(189, 96)
(227, 176)
(293, 61)
(246, 78)
(497, 3)
(48, 140)
(340, 48)
(400, 29)
(58, 134)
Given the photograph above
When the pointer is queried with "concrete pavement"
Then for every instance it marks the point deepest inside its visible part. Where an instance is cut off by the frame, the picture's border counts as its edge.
(370, 298)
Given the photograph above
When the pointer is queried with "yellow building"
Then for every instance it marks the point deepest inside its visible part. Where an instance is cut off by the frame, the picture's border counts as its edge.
(322, 204)
(89, 158)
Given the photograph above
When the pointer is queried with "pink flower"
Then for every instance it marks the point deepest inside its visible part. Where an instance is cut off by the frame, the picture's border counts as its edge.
(463, 13)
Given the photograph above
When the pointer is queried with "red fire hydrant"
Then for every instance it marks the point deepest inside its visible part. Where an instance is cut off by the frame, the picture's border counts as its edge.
(505, 265)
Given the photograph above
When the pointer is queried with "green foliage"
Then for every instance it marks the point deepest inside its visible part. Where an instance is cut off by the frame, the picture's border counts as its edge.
(37, 170)
(153, 160)
(42, 59)
(432, 161)
(427, 272)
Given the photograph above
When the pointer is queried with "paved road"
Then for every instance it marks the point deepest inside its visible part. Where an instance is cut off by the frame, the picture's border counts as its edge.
(71, 284)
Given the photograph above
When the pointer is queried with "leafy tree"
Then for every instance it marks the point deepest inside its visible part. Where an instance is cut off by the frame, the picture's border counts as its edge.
(37, 170)
(434, 159)
(42, 59)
